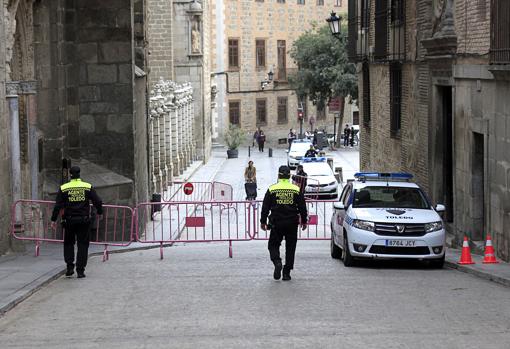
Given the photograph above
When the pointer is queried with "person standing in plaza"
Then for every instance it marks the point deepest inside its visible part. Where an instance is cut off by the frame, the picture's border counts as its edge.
(250, 179)
(352, 134)
(291, 137)
(283, 209)
(256, 136)
(261, 139)
(300, 179)
(74, 198)
(347, 132)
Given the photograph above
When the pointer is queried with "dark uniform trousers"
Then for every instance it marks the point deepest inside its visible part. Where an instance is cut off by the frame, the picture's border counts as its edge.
(77, 229)
(289, 231)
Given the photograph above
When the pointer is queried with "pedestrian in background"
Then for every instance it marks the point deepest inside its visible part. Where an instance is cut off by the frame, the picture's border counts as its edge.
(250, 179)
(352, 133)
(255, 136)
(311, 153)
(283, 207)
(291, 137)
(261, 139)
(74, 198)
(347, 132)
(300, 179)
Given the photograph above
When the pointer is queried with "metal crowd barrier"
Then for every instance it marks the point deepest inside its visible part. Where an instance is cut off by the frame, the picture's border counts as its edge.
(202, 191)
(188, 222)
(318, 226)
(31, 221)
(219, 221)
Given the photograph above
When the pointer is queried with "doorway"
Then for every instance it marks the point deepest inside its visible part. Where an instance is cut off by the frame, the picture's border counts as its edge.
(478, 186)
(447, 126)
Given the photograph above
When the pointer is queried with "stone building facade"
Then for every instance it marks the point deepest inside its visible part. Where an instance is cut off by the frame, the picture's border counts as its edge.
(80, 80)
(433, 80)
(178, 50)
(252, 38)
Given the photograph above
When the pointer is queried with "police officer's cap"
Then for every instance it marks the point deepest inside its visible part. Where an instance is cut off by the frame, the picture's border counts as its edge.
(284, 171)
(75, 172)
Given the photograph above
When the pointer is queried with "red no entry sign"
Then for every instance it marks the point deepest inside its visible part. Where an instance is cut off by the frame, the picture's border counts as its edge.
(188, 188)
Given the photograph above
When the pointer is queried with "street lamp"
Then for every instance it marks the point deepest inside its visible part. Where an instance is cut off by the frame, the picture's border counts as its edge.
(334, 24)
(267, 81)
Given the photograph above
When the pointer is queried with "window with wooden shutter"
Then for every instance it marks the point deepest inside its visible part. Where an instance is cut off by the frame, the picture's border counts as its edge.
(234, 112)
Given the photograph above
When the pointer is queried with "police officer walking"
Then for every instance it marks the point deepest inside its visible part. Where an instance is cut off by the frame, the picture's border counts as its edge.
(286, 204)
(74, 197)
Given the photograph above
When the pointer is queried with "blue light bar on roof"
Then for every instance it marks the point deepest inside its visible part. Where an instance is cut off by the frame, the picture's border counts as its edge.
(383, 176)
(318, 159)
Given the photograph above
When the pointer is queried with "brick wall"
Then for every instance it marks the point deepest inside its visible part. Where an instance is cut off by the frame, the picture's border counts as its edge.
(473, 26)
(160, 40)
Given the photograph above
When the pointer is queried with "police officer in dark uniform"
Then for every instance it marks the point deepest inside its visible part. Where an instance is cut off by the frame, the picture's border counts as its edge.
(286, 204)
(74, 197)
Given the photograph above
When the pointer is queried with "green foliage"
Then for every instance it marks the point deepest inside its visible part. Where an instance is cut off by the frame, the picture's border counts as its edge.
(234, 137)
(324, 70)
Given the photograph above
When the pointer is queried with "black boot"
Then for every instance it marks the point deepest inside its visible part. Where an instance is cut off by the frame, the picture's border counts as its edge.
(286, 274)
(70, 271)
(81, 273)
(277, 274)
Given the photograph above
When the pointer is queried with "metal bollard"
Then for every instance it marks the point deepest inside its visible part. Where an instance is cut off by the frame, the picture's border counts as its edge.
(249, 151)
(270, 152)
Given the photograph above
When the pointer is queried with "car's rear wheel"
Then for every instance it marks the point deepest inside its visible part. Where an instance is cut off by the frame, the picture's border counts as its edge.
(437, 263)
(336, 252)
(348, 259)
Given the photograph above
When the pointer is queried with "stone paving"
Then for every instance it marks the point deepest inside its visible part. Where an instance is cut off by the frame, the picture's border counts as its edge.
(21, 275)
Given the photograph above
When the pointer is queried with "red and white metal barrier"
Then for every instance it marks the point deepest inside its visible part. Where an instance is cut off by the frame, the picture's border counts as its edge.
(201, 221)
(194, 222)
(318, 226)
(200, 191)
(31, 221)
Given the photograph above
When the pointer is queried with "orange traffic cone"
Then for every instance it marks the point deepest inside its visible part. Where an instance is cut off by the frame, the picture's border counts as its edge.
(489, 257)
(465, 256)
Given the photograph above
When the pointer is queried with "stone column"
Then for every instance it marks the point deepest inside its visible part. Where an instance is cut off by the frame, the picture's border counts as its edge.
(189, 133)
(174, 121)
(180, 131)
(152, 165)
(155, 143)
(193, 142)
(13, 102)
(169, 108)
(162, 142)
(186, 127)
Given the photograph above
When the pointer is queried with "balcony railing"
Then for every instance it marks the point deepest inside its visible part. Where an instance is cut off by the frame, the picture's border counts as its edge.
(500, 32)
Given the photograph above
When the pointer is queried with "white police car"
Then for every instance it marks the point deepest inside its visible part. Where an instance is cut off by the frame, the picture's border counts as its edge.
(321, 181)
(297, 151)
(385, 216)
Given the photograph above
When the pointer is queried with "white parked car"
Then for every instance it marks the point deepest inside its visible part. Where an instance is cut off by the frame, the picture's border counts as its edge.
(297, 151)
(321, 181)
(385, 216)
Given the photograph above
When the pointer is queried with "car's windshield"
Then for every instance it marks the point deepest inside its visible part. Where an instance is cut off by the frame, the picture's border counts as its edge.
(390, 197)
(300, 147)
(317, 169)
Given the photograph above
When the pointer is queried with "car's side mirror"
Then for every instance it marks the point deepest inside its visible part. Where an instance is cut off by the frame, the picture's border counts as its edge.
(338, 205)
(440, 208)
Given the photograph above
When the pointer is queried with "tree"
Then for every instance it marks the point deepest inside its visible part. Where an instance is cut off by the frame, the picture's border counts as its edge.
(323, 68)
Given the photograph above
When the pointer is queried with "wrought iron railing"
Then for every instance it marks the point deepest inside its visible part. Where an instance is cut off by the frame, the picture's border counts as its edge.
(500, 32)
